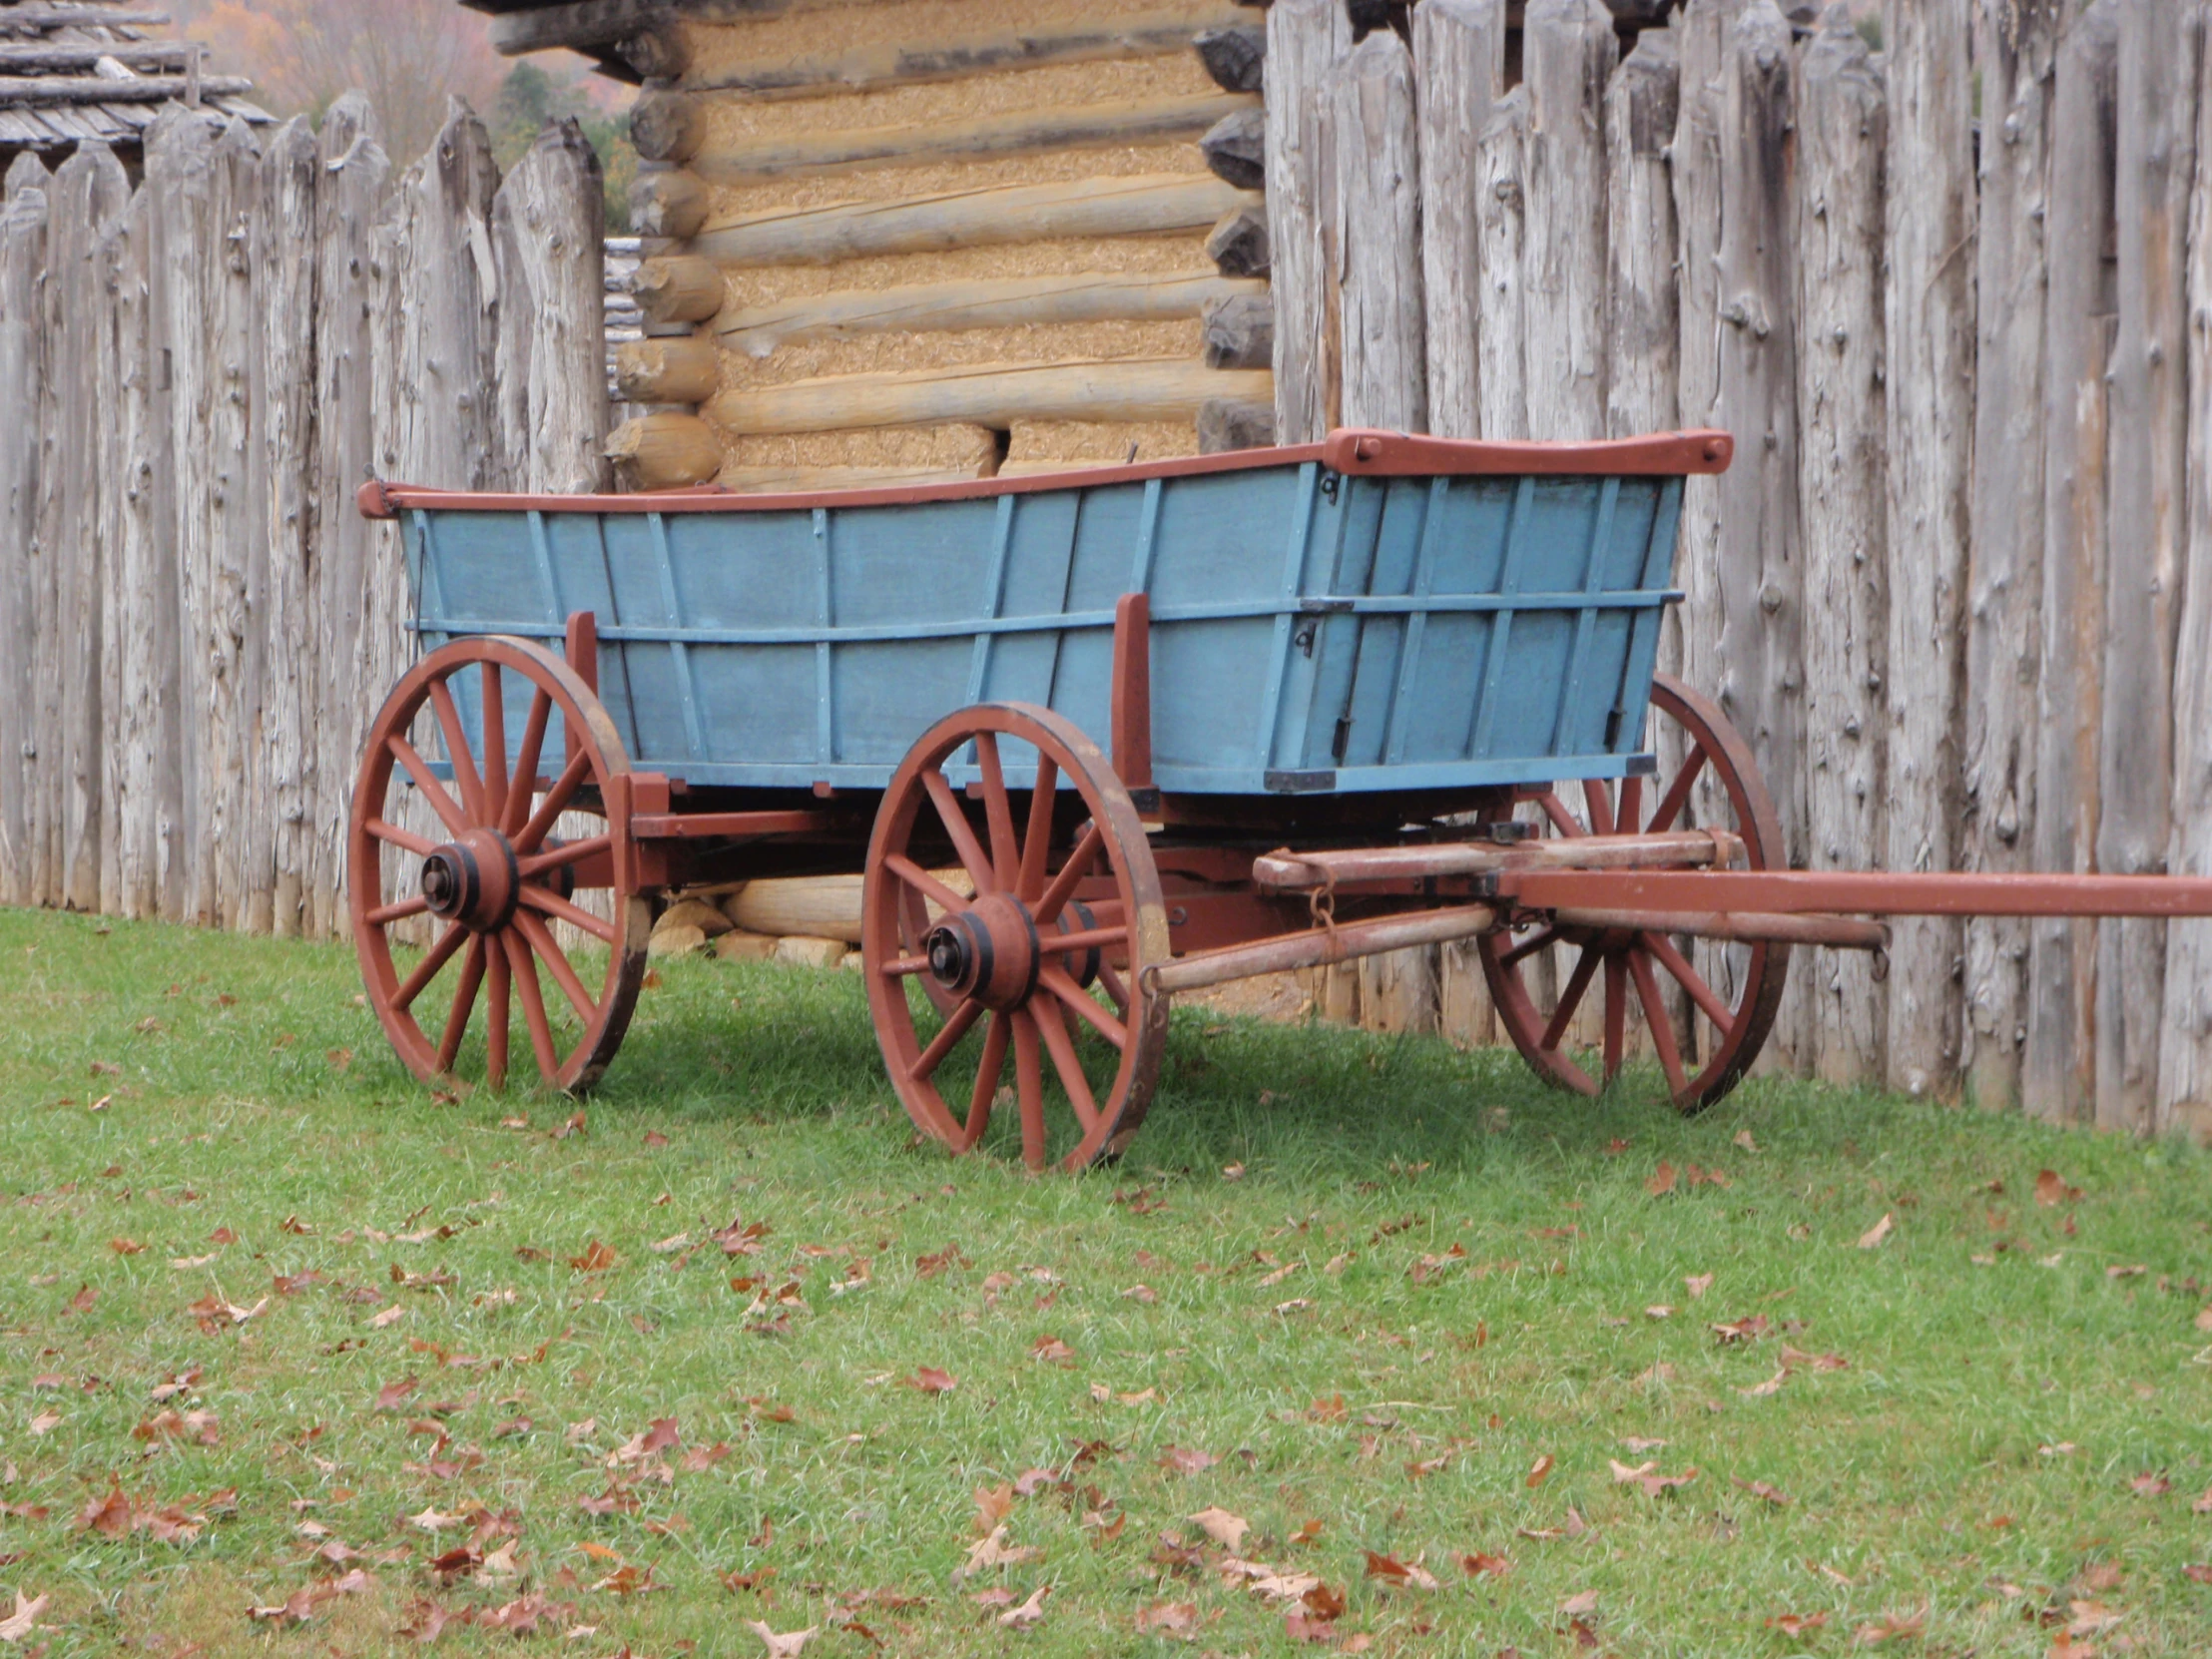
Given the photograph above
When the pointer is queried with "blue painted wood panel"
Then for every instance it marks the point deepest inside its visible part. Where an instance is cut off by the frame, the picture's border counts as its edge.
(1310, 631)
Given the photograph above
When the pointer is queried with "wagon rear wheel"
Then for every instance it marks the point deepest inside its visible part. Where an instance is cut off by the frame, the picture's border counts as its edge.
(1035, 976)
(454, 895)
(1707, 1011)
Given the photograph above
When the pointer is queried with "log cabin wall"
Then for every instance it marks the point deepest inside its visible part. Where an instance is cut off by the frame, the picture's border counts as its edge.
(920, 239)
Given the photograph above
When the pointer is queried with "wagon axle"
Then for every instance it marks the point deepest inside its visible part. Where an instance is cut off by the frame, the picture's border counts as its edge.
(476, 880)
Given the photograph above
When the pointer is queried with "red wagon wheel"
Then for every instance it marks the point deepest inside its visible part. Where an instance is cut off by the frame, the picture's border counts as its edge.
(1018, 961)
(1706, 1051)
(491, 889)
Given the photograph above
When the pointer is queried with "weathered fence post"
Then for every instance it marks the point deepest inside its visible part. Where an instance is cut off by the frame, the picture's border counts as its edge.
(2015, 47)
(1460, 67)
(1304, 38)
(1376, 232)
(23, 227)
(349, 203)
(1643, 311)
(2150, 425)
(2185, 1049)
(1841, 471)
(548, 232)
(288, 580)
(140, 607)
(1568, 52)
(1501, 172)
(1930, 433)
(2058, 1064)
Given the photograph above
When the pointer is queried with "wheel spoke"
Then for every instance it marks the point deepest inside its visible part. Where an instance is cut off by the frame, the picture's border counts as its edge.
(1678, 793)
(899, 967)
(495, 744)
(464, 1002)
(1627, 816)
(1029, 1089)
(986, 1081)
(1036, 843)
(970, 852)
(456, 750)
(1053, 1025)
(1092, 939)
(1111, 980)
(1071, 873)
(399, 910)
(553, 904)
(448, 810)
(524, 782)
(1085, 1008)
(1657, 1020)
(556, 959)
(555, 803)
(1585, 968)
(923, 882)
(1701, 993)
(956, 1027)
(434, 961)
(405, 839)
(1543, 940)
(1616, 1013)
(1556, 810)
(1598, 801)
(533, 1004)
(998, 812)
(500, 975)
(568, 853)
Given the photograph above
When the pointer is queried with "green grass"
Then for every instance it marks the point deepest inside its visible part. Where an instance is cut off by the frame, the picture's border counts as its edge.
(1915, 1477)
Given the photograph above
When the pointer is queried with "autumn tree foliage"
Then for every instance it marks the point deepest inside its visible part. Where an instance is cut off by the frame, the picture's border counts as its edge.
(410, 55)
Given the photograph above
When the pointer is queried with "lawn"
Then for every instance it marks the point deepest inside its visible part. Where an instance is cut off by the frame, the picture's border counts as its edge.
(1351, 1353)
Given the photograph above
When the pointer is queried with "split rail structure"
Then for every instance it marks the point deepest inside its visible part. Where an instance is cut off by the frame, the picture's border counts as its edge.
(1958, 588)
(196, 627)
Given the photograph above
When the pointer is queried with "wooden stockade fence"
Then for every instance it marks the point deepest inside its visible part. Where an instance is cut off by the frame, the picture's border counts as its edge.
(196, 626)
(1957, 587)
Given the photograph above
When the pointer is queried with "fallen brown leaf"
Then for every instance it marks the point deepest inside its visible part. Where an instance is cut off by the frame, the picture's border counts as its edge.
(1797, 1624)
(1538, 1471)
(2050, 1189)
(1871, 1238)
(1029, 1613)
(1187, 1460)
(1169, 1618)
(785, 1646)
(24, 1620)
(1477, 1564)
(1891, 1626)
(931, 1381)
(1661, 1181)
(1223, 1528)
(597, 1258)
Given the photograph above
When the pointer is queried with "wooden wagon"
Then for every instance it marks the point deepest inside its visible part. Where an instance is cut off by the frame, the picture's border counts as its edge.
(1174, 725)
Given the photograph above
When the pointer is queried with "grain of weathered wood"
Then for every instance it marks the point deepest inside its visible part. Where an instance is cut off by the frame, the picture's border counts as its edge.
(991, 302)
(1236, 147)
(1304, 38)
(2184, 1099)
(549, 246)
(1759, 584)
(1929, 310)
(1375, 231)
(141, 729)
(89, 194)
(1226, 423)
(1398, 988)
(1568, 53)
(664, 450)
(667, 203)
(667, 126)
(1220, 39)
(1501, 202)
(350, 200)
(1139, 388)
(2015, 47)
(1843, 144)
(679, 369)
(2151, 422)
(977, 138)
(1238, 245)
(681, 287)
(1459, 59)
(1239, 332)
(1141, 205)
(287, 255)
(2058, 1064)
(23, 231)
(1643, 324)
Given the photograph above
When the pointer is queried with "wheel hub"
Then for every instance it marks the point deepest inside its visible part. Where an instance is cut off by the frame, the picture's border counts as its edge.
(473, 879)
(987, 951)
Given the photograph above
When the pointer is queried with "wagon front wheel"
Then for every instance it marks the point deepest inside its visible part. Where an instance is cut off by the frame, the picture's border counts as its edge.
(1041, 970)
(456, 881)
(1706, 1010)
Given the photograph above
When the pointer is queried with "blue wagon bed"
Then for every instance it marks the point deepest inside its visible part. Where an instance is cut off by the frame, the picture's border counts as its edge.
(1061, 728)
